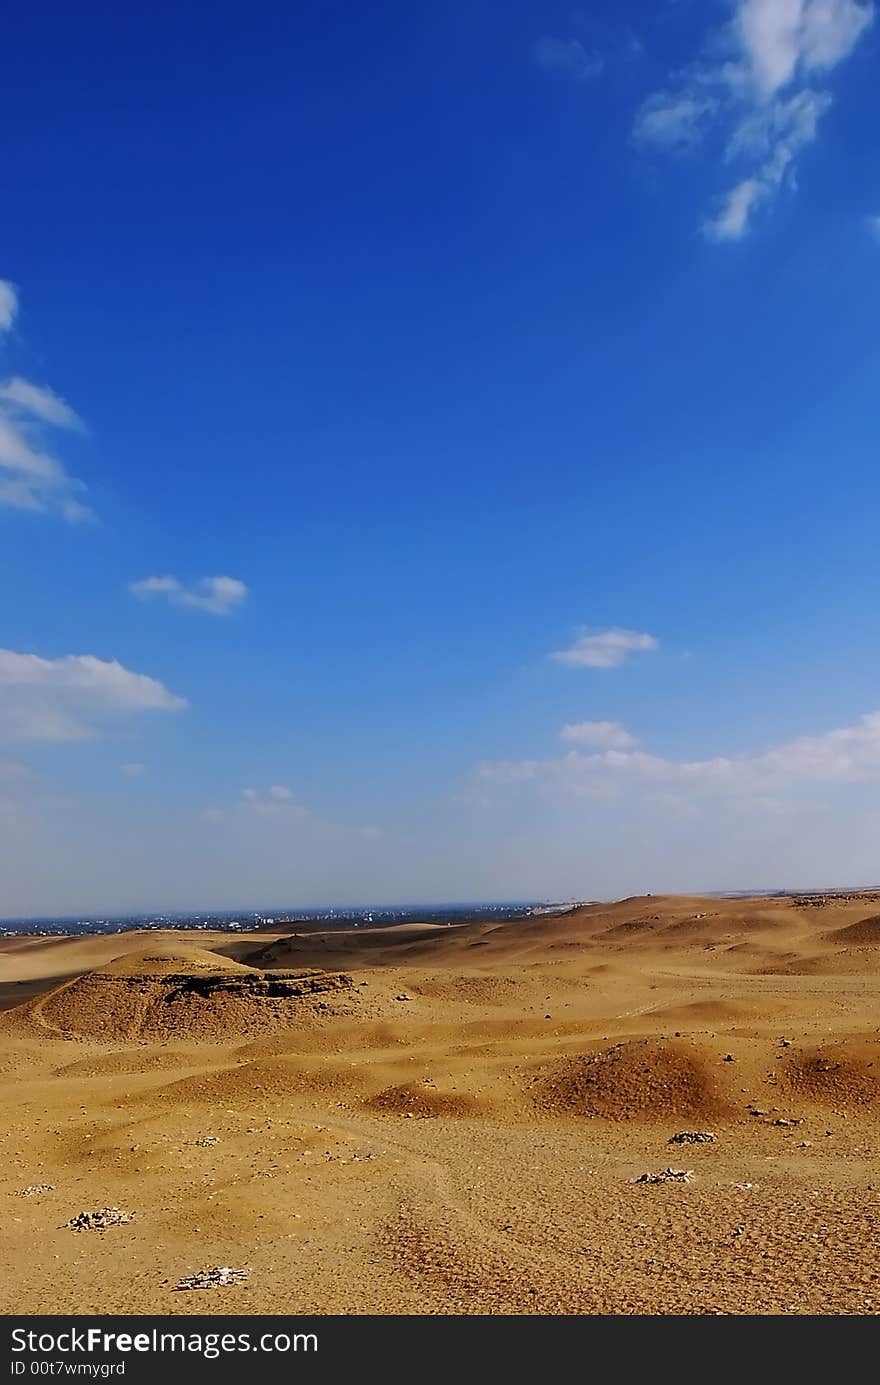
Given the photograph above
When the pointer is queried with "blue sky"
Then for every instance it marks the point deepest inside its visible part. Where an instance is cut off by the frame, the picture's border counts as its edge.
(437, 451)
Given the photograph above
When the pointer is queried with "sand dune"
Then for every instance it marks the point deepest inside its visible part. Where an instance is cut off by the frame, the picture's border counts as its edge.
(649, 1080)
(170, 994)
(438, 1119)
(862, 931)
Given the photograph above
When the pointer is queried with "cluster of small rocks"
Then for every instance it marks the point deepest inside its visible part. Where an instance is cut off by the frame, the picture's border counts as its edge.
(666, 1176)
(693, 1137)
(35, 1189)
(215, 1278)
(99, 1220)
(205, 1141)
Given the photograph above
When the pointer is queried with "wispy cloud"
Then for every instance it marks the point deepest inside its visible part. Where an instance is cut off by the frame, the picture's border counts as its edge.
(72, 698)
(39, 401)
(276, 793)
(675, 119)
(732, 217)
(568, 57)
(30, 477)
(278, 799)
(8, 304)
(846, 754)
(756, 87)
(609, 735)
(219, 595)
(604, 648)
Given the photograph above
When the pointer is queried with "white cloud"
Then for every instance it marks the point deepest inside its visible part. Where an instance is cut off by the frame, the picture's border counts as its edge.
(610, 735)
(769, 48)
(156, 586)
(674, 119)
(782, 39)
(604, 649)
(76, 513)
(39, 401)
(133, 770)
(68, 699)
(778, 131)
(30, 477)
(278, 798)
(32, 466)
(846, 754)
(219, 595)
(775, 133)
(733, 218)
(568, 56)
(8, 304)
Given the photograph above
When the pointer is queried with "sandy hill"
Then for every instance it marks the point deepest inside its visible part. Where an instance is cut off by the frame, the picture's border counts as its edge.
(171, 991)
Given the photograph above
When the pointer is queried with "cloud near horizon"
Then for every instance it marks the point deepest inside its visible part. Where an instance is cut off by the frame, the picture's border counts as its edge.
(219, 595)
(277, 798)
(610, 735)
(604, 648)
(31, 478)
(276, 793)
(72, 698)
(756, 86)
(847, 754)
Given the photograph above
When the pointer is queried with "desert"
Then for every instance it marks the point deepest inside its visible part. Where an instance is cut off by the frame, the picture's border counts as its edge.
(662, 1105)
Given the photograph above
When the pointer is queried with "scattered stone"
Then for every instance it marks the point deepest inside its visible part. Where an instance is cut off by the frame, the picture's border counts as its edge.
(35, 1189)
(805, 1144)
(205, 1141)
(729, 1058)
(100, 1220)
(756, 1111)
(215, 1278)
(403, 996)
(692, 1137)
(785, 1122)
(666, 1176)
